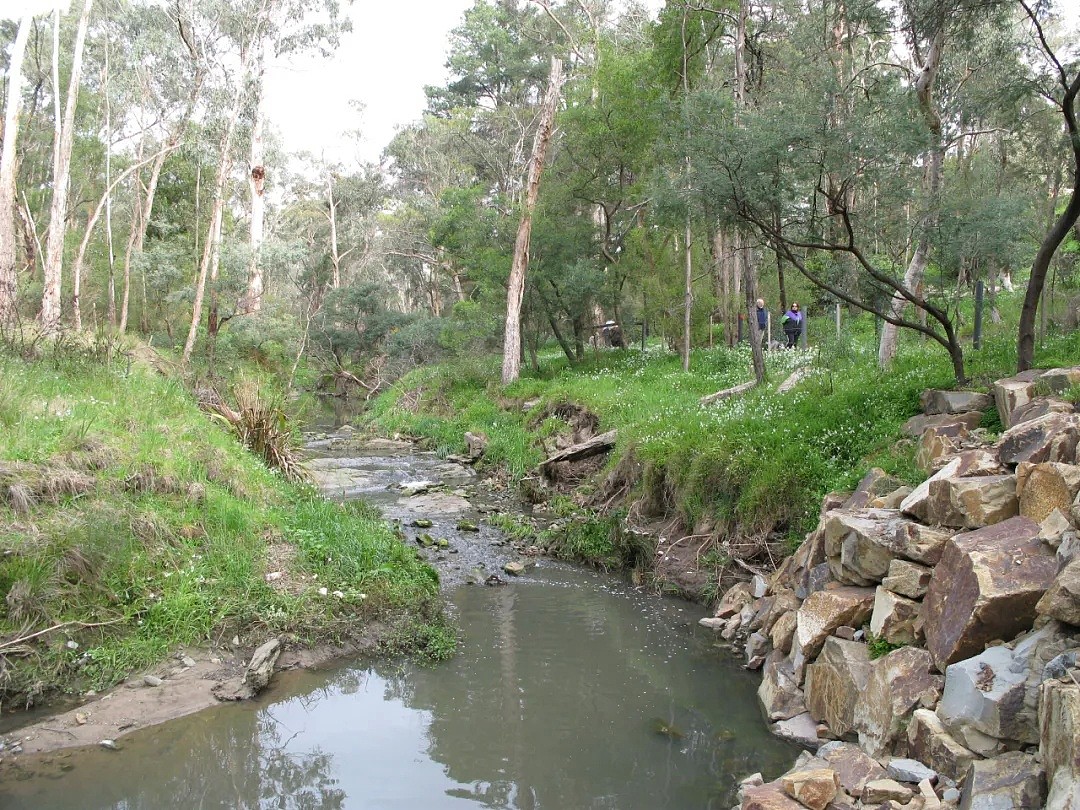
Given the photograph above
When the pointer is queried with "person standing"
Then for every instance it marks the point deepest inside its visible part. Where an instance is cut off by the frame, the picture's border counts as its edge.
(763, 323)
(793, 324)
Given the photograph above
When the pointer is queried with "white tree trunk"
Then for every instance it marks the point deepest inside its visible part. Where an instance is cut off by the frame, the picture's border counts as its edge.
(8, 283)
(916, 269)
(54, 250)
(511, 369)
(335, 257)
(209, 257)
(252, 300)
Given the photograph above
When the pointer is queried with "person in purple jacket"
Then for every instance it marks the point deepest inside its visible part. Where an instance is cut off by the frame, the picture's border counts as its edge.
(793, 324)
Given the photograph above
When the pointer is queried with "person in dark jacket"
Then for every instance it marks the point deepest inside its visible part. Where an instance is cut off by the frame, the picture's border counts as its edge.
(763, 322)
(793, 325)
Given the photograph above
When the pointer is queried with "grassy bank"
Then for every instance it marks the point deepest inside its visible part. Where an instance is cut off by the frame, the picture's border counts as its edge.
(131, 524)
(755, 466)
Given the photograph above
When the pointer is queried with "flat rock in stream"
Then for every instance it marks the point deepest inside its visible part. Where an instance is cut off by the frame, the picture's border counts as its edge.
(435, 503)
(409, 488)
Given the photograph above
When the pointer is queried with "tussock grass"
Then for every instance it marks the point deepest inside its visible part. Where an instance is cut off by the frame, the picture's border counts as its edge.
(131, 524)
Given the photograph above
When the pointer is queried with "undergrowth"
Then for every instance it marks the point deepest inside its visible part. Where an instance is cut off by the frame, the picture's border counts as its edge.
(131, 525)
(755, 465)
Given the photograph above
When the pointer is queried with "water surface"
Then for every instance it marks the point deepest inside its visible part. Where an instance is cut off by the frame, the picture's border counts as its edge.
(571, 690)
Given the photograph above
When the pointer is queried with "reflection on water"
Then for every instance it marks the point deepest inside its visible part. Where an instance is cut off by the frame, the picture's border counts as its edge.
(570, 691)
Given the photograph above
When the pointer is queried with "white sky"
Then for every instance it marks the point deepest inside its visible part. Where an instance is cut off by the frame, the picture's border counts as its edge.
(396, 47)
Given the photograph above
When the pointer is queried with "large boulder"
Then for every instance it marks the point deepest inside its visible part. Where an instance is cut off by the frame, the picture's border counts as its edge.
(1012, 392)
(770, 796)
(779, 692)
(1060, 380)
(934, 401)
(930, 742)
(852, 765)
(1040, 407)
(907, 579)
(971, 503)
(1059, 743)
(1049, 438)
(1046, 487)
(917, 425)
(783, 631)
(857, 545)
(1014, 780)
(814, 788)
(1062, 600)
(936, 443)
(899, 683)
(824, 611)
(985, 588)
(861, 544)
(995, 693)
(895, 618)
(834, 682)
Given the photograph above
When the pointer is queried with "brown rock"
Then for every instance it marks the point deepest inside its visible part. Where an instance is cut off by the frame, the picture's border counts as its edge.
(934, 401)
(972, 502)
(1039, 407)
(1013, 780)
(899, 683)
(930, 742)
(734, 600)
(986, 587)
(894, 618)
(779, 692)
(936, 443)
(824, 611)
(857, 544)
(813, 788)
(907, 579)
(770, 796)
(852, 765)
(810, 554)
(1060, 380)
(1047, 487)
(1012, 392)
(783, 631)
(893, 499)
(834, 682)
(1049, 438)
(917, 425)
(1062, 600)
(1059, 743)
(883, 790)
(875, 483)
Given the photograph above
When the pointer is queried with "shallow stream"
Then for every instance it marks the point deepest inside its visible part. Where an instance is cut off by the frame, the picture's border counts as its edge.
(571, 689)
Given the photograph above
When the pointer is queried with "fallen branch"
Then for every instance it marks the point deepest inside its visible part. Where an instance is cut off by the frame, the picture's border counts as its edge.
(734, 391)
(592, 447)
(84, 625)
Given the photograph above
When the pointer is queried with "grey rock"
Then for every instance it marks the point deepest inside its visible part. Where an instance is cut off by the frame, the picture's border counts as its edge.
(261, 666)
(110, 744)
(152, 680)
(1014, 780)
(800, 729)
(910, 770)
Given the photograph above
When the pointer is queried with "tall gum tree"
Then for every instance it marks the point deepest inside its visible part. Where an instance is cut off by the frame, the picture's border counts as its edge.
(8, 281)
(54, 252)
(1063, 96)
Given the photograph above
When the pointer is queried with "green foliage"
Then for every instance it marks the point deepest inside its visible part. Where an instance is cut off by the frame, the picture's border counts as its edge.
(879, 647)
(138, 526)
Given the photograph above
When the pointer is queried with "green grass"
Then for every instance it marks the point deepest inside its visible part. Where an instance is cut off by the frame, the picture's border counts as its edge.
(755, 464)
(138, 525)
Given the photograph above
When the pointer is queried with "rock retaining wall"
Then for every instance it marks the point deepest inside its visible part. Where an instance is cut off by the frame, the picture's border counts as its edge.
(970, 585)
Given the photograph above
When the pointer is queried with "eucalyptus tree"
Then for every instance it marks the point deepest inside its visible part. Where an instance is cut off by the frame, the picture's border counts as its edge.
(1060, 85)
(8, 280)
(61, 180)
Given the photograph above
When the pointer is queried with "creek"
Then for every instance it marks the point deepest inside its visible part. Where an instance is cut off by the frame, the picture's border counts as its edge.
(571, 689)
